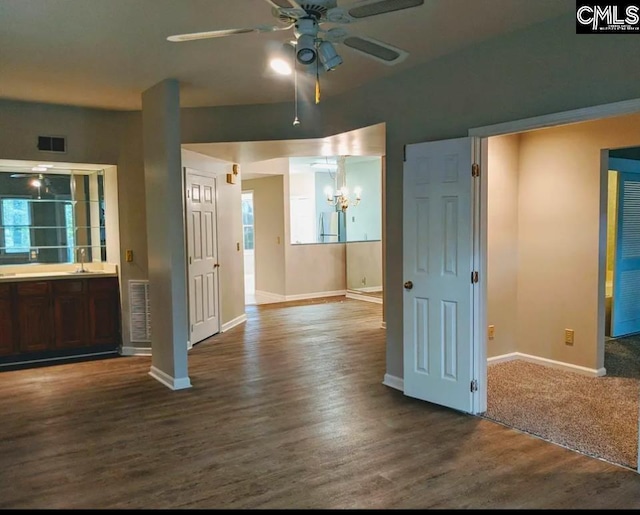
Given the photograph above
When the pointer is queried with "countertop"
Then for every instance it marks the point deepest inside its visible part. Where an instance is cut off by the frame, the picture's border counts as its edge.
(54, 272)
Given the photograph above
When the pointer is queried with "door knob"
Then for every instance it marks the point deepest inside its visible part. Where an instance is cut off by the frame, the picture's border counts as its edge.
(216, 265)
(408, 285)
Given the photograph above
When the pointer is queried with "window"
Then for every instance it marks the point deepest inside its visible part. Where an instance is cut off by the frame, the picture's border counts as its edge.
(16, 221)
(49, 217)
(247, 220)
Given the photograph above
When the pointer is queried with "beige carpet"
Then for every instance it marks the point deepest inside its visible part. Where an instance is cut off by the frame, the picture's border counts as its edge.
(596, 416)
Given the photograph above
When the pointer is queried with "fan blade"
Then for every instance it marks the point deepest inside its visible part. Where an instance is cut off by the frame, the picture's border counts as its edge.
(375, 49)
(369, 8)
(284, 4)
(290, 8)
(225, 32)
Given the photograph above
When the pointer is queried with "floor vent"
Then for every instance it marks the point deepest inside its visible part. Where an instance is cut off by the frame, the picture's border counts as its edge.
(52, 144)
(139, 311)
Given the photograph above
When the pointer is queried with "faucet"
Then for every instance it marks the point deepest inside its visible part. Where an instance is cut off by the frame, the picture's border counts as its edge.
(82, 256)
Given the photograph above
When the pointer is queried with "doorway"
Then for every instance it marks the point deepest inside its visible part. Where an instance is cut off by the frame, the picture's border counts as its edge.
(248, 239)
(202, 253)
(435, 325)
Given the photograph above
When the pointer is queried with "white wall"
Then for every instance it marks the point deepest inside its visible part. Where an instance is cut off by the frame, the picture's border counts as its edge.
(364, 265)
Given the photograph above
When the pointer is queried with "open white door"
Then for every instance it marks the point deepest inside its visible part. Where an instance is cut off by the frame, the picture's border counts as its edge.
(202, 251)
(625, 300)
(438, 234)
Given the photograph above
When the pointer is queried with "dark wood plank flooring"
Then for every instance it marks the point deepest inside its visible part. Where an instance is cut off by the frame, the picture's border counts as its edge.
(286, 411)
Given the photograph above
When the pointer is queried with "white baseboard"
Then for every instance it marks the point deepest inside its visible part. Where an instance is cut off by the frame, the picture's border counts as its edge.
(370, 289)
(591, 372)
(316, 295)
(366, 298)
(393, 382)
(169, 381)
(232, 323)
(131, 350)
(266, 297)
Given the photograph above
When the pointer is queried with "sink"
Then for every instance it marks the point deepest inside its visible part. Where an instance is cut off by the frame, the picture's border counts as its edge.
(78, 272)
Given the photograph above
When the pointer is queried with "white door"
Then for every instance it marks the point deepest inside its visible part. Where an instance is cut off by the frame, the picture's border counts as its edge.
(625, 300)
(438, 235)
(202, 250)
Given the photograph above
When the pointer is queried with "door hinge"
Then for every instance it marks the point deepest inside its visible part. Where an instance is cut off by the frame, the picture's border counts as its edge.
(475, 277)
(475, 170)
(190, 260)
(188, 193)
(192, 331)
(474, 385)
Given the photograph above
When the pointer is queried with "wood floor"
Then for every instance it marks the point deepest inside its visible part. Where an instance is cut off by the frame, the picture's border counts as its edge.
(286, 411)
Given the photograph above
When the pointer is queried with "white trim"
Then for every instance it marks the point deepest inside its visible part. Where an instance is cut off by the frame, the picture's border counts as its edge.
(170, 382)
(393, 382)
(366, 298)
(232, 323)
(316, 295)
(590, 372)
(502, 358)
(584, 114)
(131, 350)
(266, 297)
(370, 289)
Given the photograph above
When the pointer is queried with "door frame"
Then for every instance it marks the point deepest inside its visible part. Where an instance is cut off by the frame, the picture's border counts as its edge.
(482, 134)
(185, 200)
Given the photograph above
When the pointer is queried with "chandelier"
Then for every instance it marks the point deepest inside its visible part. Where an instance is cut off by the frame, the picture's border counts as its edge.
(340, 198)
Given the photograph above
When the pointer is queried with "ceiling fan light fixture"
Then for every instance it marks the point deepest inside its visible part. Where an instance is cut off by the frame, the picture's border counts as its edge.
(328, 56)
(306, 49)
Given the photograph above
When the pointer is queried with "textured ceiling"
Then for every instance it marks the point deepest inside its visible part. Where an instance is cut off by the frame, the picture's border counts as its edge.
(105, 53)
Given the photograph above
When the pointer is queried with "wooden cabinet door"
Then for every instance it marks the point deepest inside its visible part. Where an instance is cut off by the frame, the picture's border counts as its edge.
(8, 344)
(35, 316)
(104, 311)
(70, 310)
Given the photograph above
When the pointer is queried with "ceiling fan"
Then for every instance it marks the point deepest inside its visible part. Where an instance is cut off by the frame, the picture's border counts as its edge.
(312, 41)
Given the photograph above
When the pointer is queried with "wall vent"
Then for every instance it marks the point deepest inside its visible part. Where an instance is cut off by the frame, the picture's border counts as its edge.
(140, 321)
(52, 144)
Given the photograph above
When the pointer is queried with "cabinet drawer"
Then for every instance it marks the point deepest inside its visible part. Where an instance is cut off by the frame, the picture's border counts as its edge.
(33, 288)
(68, 286)
(103, 284)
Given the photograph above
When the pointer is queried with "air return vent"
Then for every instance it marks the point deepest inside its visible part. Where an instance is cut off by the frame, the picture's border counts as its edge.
(140, 321)
(52, 144)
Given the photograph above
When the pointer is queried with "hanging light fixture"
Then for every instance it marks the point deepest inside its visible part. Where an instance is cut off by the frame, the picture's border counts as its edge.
(341, 197)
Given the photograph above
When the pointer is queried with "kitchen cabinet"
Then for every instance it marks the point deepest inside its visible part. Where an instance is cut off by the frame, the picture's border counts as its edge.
(7, 324)
(47, 319)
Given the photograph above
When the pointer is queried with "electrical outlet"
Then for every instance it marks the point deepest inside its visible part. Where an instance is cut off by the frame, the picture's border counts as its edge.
(568, 336)
(491, 332)
(128, 256)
